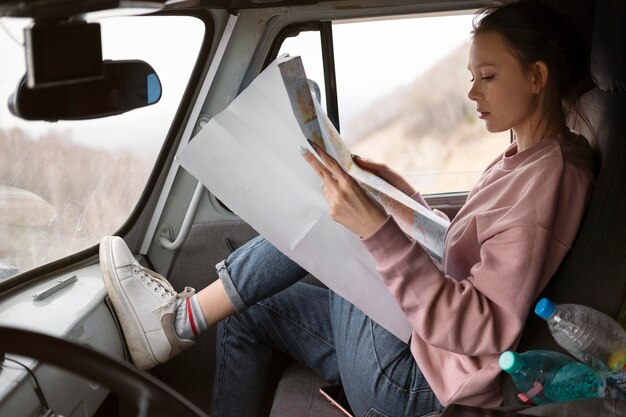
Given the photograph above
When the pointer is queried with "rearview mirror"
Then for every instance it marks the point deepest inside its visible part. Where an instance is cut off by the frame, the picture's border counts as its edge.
(124, 86)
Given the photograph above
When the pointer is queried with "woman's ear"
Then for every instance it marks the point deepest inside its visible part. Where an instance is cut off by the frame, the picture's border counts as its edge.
(539, 72)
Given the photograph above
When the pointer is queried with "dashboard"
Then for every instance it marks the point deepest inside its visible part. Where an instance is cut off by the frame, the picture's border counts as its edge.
(73, 307)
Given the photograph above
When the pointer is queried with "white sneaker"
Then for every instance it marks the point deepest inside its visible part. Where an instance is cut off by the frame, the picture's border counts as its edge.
(145, 304)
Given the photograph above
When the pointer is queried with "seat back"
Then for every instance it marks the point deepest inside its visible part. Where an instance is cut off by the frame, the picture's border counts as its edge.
(594, 271)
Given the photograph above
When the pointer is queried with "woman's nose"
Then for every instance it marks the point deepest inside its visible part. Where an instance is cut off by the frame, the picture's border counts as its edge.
(473, 93)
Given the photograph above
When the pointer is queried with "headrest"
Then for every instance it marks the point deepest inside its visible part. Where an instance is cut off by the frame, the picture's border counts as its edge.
(608, 45)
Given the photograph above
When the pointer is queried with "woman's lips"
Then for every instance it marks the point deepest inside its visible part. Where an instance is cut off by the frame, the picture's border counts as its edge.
(483, 114)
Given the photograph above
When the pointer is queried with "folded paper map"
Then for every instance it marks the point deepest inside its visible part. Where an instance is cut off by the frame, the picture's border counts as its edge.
(248, 157)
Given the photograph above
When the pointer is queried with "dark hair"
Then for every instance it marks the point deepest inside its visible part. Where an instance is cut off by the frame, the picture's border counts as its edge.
(536, 32)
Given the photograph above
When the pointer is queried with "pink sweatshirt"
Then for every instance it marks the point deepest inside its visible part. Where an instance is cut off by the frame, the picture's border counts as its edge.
(501, 249)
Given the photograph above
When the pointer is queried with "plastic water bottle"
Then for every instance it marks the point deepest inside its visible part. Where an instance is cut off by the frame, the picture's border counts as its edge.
(588, 334)
(545, 377)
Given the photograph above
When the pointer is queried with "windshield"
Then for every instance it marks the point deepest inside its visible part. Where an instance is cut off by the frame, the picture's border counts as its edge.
(66, 184)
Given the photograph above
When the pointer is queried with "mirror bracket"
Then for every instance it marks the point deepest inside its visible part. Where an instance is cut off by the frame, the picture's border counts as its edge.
(62, 52)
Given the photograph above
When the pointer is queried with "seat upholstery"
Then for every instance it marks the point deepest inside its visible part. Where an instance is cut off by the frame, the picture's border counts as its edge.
(297, 395)
(594, 271)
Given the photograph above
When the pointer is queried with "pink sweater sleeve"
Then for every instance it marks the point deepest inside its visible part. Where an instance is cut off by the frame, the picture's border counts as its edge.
(480, 315)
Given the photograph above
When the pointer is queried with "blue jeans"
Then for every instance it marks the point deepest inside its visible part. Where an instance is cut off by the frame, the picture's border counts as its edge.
(316, 327)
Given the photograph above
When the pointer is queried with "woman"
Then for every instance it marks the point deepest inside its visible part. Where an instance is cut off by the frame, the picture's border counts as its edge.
(500, 251)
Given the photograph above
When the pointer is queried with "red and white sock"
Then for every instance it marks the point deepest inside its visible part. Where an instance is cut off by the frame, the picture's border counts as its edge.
(189, 320)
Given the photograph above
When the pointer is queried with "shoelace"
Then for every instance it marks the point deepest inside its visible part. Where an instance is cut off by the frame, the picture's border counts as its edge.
(153, 278)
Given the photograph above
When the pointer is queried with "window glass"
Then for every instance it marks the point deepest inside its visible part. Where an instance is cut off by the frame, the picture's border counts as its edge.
(66, 184)
(402, 87)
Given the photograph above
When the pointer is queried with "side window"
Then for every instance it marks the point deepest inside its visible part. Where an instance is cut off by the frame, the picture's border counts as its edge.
(64, 185)
(402, 89)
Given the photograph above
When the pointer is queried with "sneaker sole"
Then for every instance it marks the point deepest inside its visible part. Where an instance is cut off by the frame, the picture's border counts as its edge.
(136, 341)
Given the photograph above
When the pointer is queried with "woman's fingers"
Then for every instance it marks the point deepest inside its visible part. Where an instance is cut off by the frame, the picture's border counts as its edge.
(348, 203)
(319, 168)
(386, 173)
(331, 164)
(369, 165)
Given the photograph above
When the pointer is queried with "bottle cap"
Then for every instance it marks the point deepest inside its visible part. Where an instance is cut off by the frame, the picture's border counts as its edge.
(545, 308)
(510, 362)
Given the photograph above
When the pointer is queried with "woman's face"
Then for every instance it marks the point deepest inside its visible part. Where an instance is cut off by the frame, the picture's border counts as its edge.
(501, 87)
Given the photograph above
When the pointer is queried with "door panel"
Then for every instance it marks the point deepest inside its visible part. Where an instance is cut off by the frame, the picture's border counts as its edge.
(194, 265)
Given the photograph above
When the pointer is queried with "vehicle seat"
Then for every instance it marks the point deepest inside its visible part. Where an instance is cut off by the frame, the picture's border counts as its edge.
(594, 271)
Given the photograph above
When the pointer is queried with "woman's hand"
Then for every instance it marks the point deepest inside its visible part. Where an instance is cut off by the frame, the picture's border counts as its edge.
(386, 173)
(349, 204)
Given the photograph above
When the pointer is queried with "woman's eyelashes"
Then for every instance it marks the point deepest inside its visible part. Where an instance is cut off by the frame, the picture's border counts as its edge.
(484, 78)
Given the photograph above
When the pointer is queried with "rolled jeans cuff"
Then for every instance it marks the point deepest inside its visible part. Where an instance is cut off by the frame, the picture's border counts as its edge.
(231, 291)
